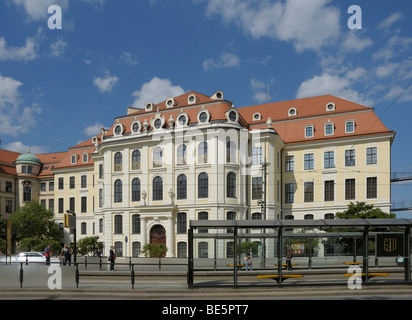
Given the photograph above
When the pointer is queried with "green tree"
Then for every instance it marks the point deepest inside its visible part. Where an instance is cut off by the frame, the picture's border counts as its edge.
(33, 227)
(154, 250)
(361, 210)
(88, 245)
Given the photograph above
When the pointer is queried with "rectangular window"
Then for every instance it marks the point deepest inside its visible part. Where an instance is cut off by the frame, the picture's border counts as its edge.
(43, 203)
(329, 158)
(289, 163)
(9, 186)
(309, 161)
(330, 190)
(83, 204)
(61, 206)
(101, 202)
(257, 155)
(256, 188)
(289, 192)
(61, 183)
(9, 206)
(350, 127)
(349, 158)
(308, 186)
(83, 181)
(371, 155)
(309, 132)
(349, 189)
(51, 205)
(72, 204)
(51, 186)
(43, 186)
(100, 171)
(71, 182)
(371, 188)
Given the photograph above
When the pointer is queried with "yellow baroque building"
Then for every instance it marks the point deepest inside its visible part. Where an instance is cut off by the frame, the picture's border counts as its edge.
(195, 157)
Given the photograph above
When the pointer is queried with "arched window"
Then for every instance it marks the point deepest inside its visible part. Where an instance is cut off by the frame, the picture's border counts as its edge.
(203, 185)
(230, 151)
(157, 157)
(203, 216)
(181, 222)
(181, 155)
(308, 217)
(118, 248)
(231, 185)
(203, 249)
(136, 224)
(182, 249)
(202, 153)
(118, 224)
(256, 216)
(118, 190)
(136, 160)
(181, 187)
(158, 188)
(136, 189)
(136, 248)
(118, 161)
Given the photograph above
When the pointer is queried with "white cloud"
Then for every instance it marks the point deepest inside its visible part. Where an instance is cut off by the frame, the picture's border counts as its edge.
(92, 130)
(18, 146)
(352, 42)
(306, 24)
(105, 84)
(396, 91)
(386, 70)
(37, 9)
(15, 118)
(260, 90)
(226, 60)
(390, 20)
(339, 86)
(57, 48)
(156, 90)
(128, 59)
(26, 53)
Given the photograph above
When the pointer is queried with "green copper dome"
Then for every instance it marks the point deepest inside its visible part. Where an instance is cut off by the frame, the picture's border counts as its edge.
(28, 158)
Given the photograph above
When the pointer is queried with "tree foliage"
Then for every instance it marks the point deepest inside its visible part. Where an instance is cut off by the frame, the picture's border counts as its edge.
(154, 250)
(361, 210)
(88, 245)
(33, 227)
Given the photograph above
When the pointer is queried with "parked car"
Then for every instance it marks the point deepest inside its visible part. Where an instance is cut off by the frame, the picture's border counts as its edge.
(29, 257)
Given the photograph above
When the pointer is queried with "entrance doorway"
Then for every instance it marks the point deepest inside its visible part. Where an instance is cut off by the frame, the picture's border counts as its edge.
(158, 234)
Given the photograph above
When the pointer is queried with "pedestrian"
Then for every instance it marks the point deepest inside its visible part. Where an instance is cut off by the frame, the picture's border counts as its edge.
(112, 258)
(48, 253)
(248, 262)
(289, 254)
(67, 254)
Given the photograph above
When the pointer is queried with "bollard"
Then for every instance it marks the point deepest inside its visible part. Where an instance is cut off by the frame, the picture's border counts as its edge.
(76, 275)
(21, 275)
(132, 276)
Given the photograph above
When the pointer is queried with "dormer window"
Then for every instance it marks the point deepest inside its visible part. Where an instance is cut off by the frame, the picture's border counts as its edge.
(118, 129)
(149, 106)
(330, 106)
(292, 112)
(232, 115)
(257, 116)
(349, 126)
(85, 157)
(203, 116)
(135, 126)
(73, 159)
(182, 119)
(309, 131)
(329, 129)
(170, 103)
(191, 99)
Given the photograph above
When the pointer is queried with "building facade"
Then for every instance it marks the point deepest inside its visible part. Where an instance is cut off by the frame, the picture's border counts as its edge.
(195, 157)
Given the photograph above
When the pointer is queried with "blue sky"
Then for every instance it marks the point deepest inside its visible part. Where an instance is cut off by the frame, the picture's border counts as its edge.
(58, 86)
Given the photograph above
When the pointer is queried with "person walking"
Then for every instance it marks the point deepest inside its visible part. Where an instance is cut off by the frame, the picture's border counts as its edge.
(67, 254)
(47, 254)
(289, 253)
(112, 258)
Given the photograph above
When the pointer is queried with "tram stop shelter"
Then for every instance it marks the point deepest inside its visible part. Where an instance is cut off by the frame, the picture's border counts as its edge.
(272, 233)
